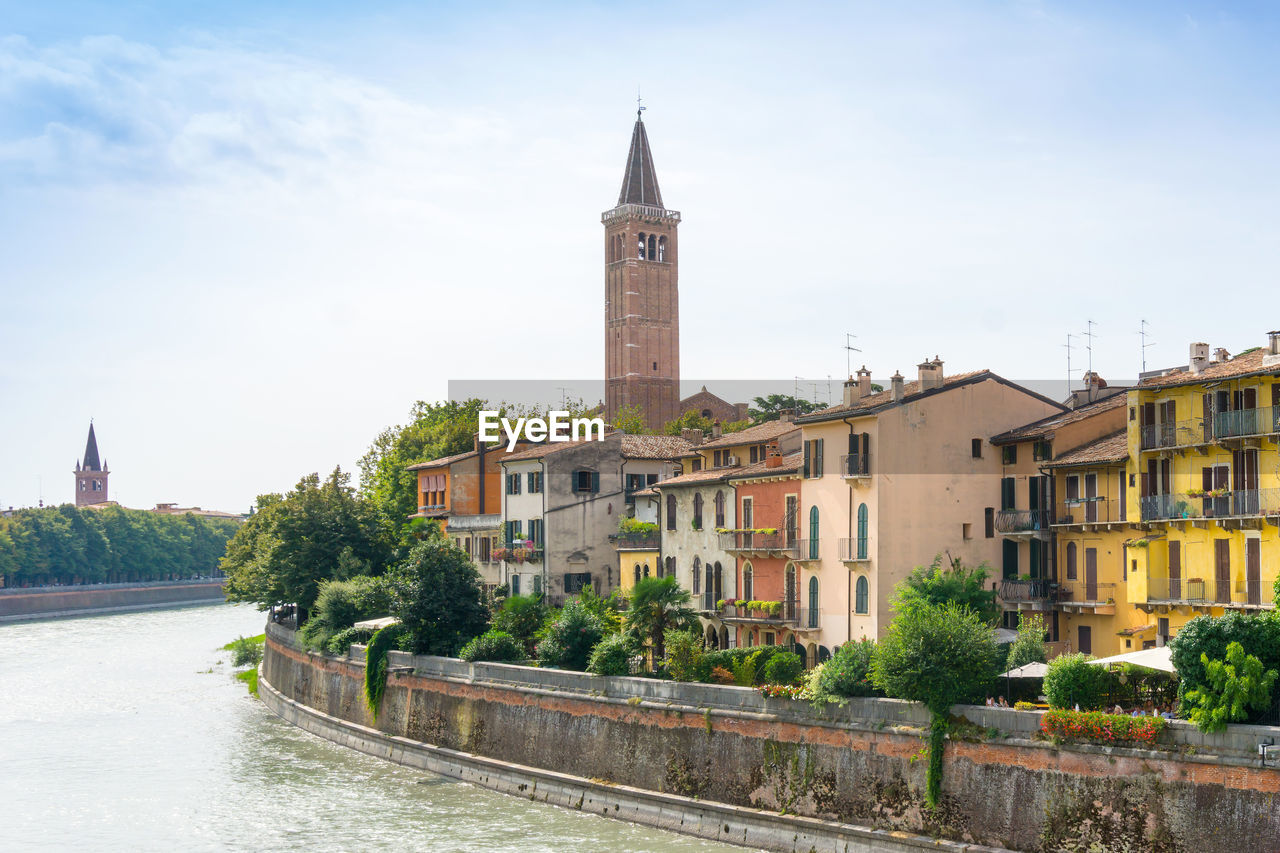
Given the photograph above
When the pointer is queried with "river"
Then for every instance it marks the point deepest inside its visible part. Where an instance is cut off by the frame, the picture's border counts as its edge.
(129, 732)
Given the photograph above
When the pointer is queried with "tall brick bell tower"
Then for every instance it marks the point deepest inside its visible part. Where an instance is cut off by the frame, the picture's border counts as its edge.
(91, 475)
(642, 301)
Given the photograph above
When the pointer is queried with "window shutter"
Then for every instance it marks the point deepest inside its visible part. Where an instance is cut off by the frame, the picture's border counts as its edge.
(818, 460)
(990, 522)
(807, 446)
(595, 481)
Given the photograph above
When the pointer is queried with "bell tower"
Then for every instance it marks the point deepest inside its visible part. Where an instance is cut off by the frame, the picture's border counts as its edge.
(641, 301)
(91, 475)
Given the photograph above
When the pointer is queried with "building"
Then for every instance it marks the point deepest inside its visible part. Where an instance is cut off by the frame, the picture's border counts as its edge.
(713, 408)
(561, 503)
(174, 509)
(639, 549)
(642, 303)
(910, 477)
(91, 475)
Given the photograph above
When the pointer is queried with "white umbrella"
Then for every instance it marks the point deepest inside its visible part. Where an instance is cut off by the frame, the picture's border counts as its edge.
(1027, 670)
(1159, 659)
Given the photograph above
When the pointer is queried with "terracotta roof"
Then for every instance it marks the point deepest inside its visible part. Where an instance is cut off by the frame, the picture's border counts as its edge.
(1047, 426)
(706, 475)
(1113, 448)
(758, 434)
(791, 463)
(540, 450)
(654, 446)
(873, 403)
(443, 460)
(1245, 364)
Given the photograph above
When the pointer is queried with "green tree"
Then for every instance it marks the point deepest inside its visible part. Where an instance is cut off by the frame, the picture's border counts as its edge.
(939, 583)
(657, 605)
(1028, 647)
(768, 408)
(683, 654)
(521, 616)
(1236, 685)
(342, 603)
(631, 420)
(846, 674)
(940, 655)
(438, 598)
(688, 420)
(319, 531)
(1072, 680)
(570, 636)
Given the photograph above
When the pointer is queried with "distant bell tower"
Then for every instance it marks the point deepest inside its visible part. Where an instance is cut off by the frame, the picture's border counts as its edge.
(641, 298)
(91, 476)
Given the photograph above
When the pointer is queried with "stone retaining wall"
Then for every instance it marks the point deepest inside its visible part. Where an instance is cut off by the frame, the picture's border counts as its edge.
(63, 601)
(857, 765)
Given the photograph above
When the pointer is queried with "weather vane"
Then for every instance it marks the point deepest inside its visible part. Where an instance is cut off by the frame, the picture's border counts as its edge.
(639, 107)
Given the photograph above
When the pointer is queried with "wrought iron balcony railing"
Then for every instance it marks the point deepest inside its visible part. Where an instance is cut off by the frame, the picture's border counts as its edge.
(1241, 503)
(780, 543)
(1247, 422)
(853, 549)
(1038, 589)
(1084, 592)
(1022, 520)
(856, 465)
(1099, 510)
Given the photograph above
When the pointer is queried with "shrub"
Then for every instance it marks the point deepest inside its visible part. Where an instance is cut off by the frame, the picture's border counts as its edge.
(1209, 636)
(522, 616)
(784, 668)
(493, 645)
(684, 651)
(744, 671)
(781, 691)
(341, 604)
(718, 658)
(612, 656)
(341, 642)
(438, 597)
(720, 675)
(1072, 680)
(1097, 727)
(246, 651)
(1236, 685)
(570, 636)
(846, 674)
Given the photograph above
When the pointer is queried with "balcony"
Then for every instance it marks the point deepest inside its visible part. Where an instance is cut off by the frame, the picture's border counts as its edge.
(787, 613)
(636, 541)
(807, 549)
(1219, 505)
(1081, 511)
(851, 553)
(1222, 426)
(754, 542)
(1201, 592)
(856, 465)
(1022, 521)
(518, 552)
(1027, 591)
(1083, 596)
(1245, 423)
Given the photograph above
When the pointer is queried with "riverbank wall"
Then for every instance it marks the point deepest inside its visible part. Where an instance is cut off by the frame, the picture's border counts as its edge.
(49, 602)
(709, 757)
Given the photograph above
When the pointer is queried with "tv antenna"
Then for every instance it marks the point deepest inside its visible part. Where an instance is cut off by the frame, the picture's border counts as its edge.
(1069, 347)
(1142, 332)
(1089, 333)
(849, 349)
(563, 396)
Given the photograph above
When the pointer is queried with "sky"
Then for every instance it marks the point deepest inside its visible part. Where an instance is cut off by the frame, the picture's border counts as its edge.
(244, 237)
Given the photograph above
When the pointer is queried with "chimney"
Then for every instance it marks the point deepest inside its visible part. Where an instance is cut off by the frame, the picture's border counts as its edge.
(716, 431)
(1093, 380)
(693, 436)
(895, 384)
(930, 374)
(864, 382)
(1221, 356)
(1273, 343)
(851, 391)
(1199, 359)
(773, 456)
(786, 415)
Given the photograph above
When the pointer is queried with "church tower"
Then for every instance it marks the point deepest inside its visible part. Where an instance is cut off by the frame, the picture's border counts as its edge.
(641, 301)
(91, 476)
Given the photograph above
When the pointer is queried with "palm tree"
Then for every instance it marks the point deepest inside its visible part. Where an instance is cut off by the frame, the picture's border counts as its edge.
(658, 604)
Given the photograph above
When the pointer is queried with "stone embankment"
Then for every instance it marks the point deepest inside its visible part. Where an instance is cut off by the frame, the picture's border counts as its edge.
(47, 602)
(728, 764)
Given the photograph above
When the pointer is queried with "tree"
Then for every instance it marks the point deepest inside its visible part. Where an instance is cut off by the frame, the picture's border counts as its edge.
(846, 674)
(521, 616)
(688, 420)
(631, 420)
(1073, 681)
(1028, 647)
(658, 604)
(570, 636)
(438, 598)
(938, 584)
(769, 408)
(319, 531)
(940, 655)
(1236, 685)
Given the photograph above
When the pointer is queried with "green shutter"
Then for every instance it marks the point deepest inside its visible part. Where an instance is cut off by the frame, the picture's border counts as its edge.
(595, 481)
(806, 457)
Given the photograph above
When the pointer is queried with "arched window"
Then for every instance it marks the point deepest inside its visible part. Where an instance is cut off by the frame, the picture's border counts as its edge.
(719, 501)
(719, 576)
(640, 248)
(706, 413)
(646, 570)
(653, 247)
(671, 567)
(697, 576)
(1071, 561)
(662, 248)
(862, 531)
(637, 573)
(746, 583)
(813, 532)
(813, 602)
(697, 511)
(860, 596)
(790, 592)
(709, 589)
(671, 512)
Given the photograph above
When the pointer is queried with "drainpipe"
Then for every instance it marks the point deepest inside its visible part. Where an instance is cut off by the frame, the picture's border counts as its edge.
(848, 629)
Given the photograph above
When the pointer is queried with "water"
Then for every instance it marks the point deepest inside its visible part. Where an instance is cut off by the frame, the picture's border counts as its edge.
(128, 732)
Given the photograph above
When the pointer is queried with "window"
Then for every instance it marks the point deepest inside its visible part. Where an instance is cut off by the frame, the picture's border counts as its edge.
(862, 531)
(84, 487)
(1009, 563)
(747, 582)
(513, 484)
(697, 576)
(514, 532)
(860, 595)
(977, 448)
(989, 521)
(719, 504)
(97, 485)
(1086, 639)
(662, 248)
(515, 584)
(754, 454)
(1071, 561)
(1041, 451)
(586, 481)
(1007, 499)
(535, 532)
(653, 247)
(1009, 454)
(748, 516)
(574, 582)
(813, 603)
(671, 512)
(637, 573)
(696, 464)
(646, 570)
(813, 532)
(537, 584)
(966, 531)
(635, 482)
(535, 482)
(769, 638)
(813, 458)
(640, 247)
(697, 511)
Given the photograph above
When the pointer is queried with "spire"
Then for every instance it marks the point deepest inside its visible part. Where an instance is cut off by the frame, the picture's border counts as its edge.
(640, 181)
(91, 462)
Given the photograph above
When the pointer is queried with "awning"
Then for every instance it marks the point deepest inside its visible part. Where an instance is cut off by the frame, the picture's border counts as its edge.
(376, 624)
(1159, 659)
(1027, 670)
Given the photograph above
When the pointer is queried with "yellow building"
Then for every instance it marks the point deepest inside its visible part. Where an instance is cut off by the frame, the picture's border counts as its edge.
(1204, 486)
